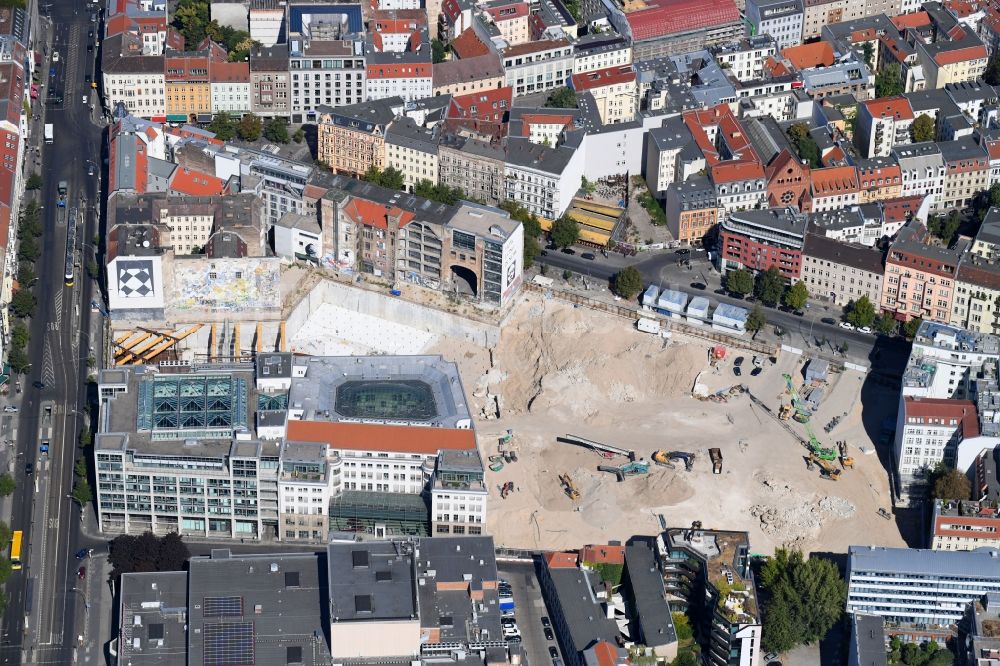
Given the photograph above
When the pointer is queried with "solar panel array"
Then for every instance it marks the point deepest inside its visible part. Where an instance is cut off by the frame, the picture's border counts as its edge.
(223, 607)
(229, 644)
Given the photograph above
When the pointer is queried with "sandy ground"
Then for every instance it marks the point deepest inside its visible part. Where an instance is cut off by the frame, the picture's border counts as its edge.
(560, 370)
(337, 331)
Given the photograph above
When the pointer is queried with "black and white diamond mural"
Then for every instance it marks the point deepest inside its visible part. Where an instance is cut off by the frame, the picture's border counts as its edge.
(135, 278)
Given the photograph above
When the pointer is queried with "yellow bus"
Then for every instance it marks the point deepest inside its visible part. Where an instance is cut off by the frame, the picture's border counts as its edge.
(15, 550)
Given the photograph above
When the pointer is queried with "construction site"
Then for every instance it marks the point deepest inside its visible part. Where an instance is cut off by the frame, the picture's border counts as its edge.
(594, 430)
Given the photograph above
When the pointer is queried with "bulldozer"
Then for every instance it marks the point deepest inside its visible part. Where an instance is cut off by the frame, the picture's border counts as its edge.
(569, 487)
(826, 468)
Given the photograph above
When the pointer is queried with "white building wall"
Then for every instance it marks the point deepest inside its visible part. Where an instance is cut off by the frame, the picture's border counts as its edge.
(142, 94)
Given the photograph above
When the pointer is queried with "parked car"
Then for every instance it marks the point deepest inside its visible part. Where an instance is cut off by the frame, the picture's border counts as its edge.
(737, 371)
(738, 362)
(81, 573)
(866, 329)
(698, 285)
(683, 251)
(588, 255)
(848, 325)
(553, 652)
(549, 636)
(830, 321)
(568, 250)
(755, 372)
(545, 621)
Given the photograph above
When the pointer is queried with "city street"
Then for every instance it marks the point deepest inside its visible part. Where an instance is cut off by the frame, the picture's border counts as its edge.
(38, 625)
(664, 269)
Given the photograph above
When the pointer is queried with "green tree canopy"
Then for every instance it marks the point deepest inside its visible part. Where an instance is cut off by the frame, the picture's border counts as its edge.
(7, 485)
(276, 130)
(796, 296)
(952, 485)
(561, 98)
(628, 282)
(739, 282)
(805, 598)
(18, 359)
(26, 274)
(390, 178)
(922, 128)
(886, 324)
(564, 232)
(23, 303)
(34, 182)
(147, 552)
(770, 285)
(911, 327)
(250, 127)
(861, 313)
(438, 50)
(223, 127)
(805, 144)
(889, 80)
(532, 227)
(756, 319)
(19, 335)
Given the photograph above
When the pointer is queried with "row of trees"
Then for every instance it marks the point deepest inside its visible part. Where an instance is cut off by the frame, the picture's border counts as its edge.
(146, 553)
(5, 567)
(250, 128)
(24, 302)
(768, 286)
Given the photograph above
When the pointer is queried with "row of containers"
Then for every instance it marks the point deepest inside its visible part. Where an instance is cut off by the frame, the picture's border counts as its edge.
(681, 306)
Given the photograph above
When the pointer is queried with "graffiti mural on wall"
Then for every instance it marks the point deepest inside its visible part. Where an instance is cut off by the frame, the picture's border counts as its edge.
(232, 285)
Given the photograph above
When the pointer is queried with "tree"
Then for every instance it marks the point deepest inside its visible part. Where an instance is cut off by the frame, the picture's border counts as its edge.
(34, 182)
(805, 598)
(18, 360)
(739, 282)
(439, 192)
(23, 304)
(191, 18)
(796, 297)
(85, 438)
(685, 659)
(922, 128)
(249, 128)
(949, 228)
(19, 335)
(886, 324)
(769, 286)
(889, 80)
(861, 313)
(628, 282)
(868, 52)
(7, 485)
(129, 554)
(82, 492)
(588, 186)
(564, 231)
(911, 327)
(299, 136)
(561, 98)
(390, 178)
(756, 319)
(532, 227)
(952, 485)
(682, 626)
(26, 275)
(438, 50)
(992, 73)
(5, 535)
(276, 130)
(223, 127)
(804, 143)
(27, 249)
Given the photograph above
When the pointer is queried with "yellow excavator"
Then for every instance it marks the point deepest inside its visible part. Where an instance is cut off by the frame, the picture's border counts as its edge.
(569, 487)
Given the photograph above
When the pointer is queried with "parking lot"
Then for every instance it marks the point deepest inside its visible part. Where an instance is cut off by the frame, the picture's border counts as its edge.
(529, 609)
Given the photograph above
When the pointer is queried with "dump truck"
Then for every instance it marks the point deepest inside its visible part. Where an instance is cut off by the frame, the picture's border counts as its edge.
(716, 456)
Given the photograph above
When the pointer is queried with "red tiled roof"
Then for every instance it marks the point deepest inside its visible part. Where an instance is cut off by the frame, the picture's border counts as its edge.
(899, 210)
(961, 55)
(378, 437)
(468, 45)
(806, 56)
(919, 19)
(890, 107)
(937, 408)
(668, 17)
(373, 214)
(196, 183)
(993, 149)
(520, 11)
(869, 178)
(560, 560)
(834, 180)
(603, 554)
(529, 119)
(602, 77)
(230, 72)
(606, 653)
(732, 171)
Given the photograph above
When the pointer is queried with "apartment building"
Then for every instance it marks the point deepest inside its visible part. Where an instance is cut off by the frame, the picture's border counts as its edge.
(593, 52)
(967, 172)
(739, 185)
(883, 124)
(351, 139)
(538, 66)
(413, 151)
(281, 184)
(833, 188)
(664, 163)
(759, 239)
(465, 76)
(928, 432)
(188, 86)
(614, 92)
(923, 592)
(841, 272)
(692, 209)
(819, 13)
(955, 60)
(230, 88)
(541, 178)
(781, 19)
(398, 56)
(923, 170)
(976, 304)
(270, 81)
(920, 278)
(879, 179)
(137, 81)
(475, 166)
(745, 58)
(325, 73)
(511, 18)
(964, 525)
(707, 574)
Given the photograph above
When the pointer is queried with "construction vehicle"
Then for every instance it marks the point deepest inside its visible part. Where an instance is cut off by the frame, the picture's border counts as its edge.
(716, 456)
(802, 412)
(506, 437)
(506, 489)
(785, 412)
(885, 514)
(496, 467)
(665, 458)
(846, 461)
(569, 487)
(628, 469)
(826, 468)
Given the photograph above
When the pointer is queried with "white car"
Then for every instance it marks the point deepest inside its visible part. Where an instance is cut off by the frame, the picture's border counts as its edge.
(55, 56)
(847, 325)
(866, 329)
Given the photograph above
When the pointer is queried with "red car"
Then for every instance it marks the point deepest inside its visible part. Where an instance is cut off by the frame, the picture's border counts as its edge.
(82, 573)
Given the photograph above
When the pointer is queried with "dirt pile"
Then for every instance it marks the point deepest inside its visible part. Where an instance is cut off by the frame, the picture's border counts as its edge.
(553, 360)
(793, 516)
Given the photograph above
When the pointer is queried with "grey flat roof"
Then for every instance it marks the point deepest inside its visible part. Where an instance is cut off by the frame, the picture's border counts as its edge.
(153, 615)
(278, 594)
(584, 616)
(370, 581)
(868, 636)
(646, 586)
(274, 365)
(524, 153)
(846, 254)
(982, 563)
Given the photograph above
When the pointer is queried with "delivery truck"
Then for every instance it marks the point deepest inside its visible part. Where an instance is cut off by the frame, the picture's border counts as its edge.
(48, 133)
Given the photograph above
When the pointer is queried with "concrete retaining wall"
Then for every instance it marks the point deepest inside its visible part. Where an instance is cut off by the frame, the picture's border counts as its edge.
(391, 308)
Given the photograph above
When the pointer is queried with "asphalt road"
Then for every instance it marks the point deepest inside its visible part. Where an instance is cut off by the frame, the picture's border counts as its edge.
(58, 352)
(663, 270)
